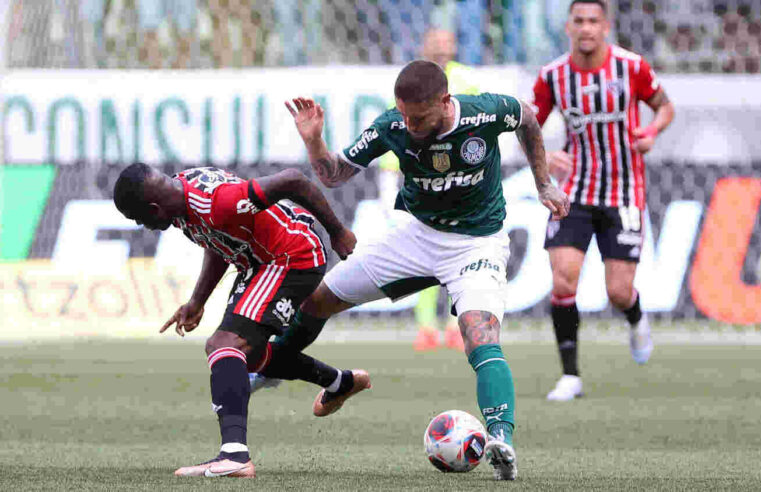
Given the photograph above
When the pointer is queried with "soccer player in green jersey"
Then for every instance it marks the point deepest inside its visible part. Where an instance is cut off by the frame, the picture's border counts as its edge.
(453, 234)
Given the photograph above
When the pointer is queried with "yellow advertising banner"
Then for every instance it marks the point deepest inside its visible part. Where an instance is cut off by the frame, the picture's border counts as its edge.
(42, 301)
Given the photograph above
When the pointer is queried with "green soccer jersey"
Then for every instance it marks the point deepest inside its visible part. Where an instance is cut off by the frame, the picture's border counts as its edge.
(452, 183)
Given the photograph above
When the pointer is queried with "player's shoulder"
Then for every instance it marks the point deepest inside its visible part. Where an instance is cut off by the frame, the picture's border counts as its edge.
(624, 54)
(207, 179)
(389, 120)
(489, 102)
(555, 64)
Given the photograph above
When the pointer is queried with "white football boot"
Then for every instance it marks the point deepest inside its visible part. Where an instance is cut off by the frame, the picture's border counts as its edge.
(567, 388)
(257, 381)
(640, 341)
(502, 457)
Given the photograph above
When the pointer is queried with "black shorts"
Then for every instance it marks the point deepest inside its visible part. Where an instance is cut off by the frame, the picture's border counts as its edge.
(265, 299)
(618, 230)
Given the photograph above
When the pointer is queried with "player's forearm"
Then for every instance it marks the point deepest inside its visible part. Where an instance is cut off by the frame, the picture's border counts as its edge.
(212, 270)
(298, 188)
(664, 111)
(330, 169)
(664, 115)
(530, 136)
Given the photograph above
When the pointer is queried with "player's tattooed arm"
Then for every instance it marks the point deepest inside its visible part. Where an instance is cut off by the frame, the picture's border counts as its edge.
(478, 328)
(333, 171)
(664, 110)
(293, 185)
(529, 134)
(644, 137)
(309, 118)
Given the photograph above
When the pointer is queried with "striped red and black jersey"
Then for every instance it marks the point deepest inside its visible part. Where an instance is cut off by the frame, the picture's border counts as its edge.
(233, 217)
(601, 110)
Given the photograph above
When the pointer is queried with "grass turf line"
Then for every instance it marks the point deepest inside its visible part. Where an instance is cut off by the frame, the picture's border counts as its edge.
(109, 415)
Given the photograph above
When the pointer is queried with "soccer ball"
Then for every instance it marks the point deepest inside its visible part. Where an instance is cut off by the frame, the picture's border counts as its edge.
(454, 441)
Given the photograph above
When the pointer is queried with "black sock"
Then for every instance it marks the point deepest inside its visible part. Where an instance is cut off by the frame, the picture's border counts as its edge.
(286, 364)
(302, 331)
(230, 392)
(565, 320)
(634, 313)
(347, 382)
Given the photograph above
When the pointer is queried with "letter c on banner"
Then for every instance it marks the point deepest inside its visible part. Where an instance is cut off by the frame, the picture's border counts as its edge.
(716, 280)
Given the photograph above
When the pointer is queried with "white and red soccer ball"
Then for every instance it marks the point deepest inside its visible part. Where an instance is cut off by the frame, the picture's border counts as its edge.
(454, 441)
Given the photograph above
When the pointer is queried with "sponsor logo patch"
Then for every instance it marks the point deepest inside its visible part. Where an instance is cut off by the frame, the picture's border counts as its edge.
(478, 119)
(482, 264)
(578, 121)
(245, 206)
(284, 310)
(441, 162)
(473, 150)
(444, 183)
(367, 137)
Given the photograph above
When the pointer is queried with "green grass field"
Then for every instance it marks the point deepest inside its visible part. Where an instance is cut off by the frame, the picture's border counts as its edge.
(108, 415)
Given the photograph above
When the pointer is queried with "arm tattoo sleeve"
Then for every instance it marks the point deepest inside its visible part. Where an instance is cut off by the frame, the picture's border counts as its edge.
(333, 171)
(530, 136)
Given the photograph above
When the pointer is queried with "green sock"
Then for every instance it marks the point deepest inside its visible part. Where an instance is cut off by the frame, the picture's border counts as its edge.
(302, 331)
(494, 389)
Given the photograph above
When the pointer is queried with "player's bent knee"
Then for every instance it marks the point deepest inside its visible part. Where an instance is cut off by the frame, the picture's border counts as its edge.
(323, 303)
(220, 339)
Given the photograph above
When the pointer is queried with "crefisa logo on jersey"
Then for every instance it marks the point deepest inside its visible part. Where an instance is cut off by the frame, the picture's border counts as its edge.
(473, 150)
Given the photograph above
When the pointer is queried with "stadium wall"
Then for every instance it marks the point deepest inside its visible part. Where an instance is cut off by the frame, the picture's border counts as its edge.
(71, 264)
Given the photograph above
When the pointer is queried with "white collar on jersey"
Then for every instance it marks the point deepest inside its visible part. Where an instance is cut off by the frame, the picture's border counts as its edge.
(456, 119)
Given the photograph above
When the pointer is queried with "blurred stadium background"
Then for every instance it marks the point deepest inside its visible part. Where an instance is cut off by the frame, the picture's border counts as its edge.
(87, 86)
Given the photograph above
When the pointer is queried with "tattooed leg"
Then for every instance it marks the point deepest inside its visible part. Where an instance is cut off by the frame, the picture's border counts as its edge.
(494, 381)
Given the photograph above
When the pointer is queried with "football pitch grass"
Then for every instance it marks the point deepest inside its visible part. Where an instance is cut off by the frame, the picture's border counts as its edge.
(108, 415)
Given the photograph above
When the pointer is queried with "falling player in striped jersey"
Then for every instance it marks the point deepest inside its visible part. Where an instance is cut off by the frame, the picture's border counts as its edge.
(280, 260)
(597, 88)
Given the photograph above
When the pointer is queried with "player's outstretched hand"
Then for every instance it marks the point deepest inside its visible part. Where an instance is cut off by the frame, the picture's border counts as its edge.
(187, 317)
(560, 164)
(343, 242)
(554, 199)
(308, 116)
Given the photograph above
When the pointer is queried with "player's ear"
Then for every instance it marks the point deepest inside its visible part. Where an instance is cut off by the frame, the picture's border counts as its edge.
(446, 98)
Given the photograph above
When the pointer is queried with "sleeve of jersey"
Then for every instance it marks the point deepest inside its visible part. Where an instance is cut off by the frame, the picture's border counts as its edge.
(509, 111)
(236, 203)
(367, 146)
(542, 102)
(646, 82)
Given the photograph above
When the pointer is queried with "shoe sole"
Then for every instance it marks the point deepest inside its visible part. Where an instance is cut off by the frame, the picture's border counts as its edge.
(361, 383)
(503, 464)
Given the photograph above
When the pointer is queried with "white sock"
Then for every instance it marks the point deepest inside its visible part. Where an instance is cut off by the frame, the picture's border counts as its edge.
(335, 384)
(233, 447)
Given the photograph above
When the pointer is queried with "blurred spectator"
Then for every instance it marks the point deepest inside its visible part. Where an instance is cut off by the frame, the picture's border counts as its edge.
(151, 15)
(299, 28)
(238, 31)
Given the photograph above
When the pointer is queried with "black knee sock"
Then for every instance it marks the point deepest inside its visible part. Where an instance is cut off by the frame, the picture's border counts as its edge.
(230, 392)
(285, 364)
(565, 320)
(303, 330)
(634, 313)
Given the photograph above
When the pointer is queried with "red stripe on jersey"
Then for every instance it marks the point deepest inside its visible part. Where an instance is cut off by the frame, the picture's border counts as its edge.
(611, 105)
(297, 229)
(633, 122)
(591, 141)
